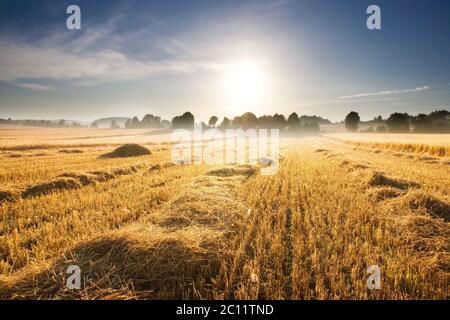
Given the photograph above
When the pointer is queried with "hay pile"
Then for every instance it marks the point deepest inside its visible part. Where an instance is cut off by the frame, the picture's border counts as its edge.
(127, 150)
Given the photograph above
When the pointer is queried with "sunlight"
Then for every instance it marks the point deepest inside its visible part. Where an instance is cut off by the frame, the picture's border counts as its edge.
(245, 84)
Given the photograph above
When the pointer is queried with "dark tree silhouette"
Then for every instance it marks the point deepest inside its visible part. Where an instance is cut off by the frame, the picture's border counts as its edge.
(293, 122)
(398, 122)
(212, 121)
(185, 121)
(352, 121)
(151, 121)
(249, 120)
(422, 123)
(279, 121)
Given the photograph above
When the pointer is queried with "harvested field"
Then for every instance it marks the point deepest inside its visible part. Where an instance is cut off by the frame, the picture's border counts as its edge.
(141, 227)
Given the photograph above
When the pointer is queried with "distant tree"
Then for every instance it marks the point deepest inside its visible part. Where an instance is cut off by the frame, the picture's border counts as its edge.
(151, 121)
(236, 122)
(378, 119)
(212, 121)
(128, 124)
(265, 122)
(165, 124)
(135, 123)
(304, 119)
(114, 125)
(61, 123)
(94, 124)
(188, 120)
(398, 122)
(185, 121)
(226, 123)
(441, 115)
(249, 120)
(293, 122)
(422, 123)
(381, 129)
(352, 121)
(279, 121)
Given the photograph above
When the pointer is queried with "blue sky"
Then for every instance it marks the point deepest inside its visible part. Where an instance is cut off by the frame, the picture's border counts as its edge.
(166, 57)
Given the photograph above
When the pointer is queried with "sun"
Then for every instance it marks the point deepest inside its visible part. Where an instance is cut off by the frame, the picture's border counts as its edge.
(245, 84)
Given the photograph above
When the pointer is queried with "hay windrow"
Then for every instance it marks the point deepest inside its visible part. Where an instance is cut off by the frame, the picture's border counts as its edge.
(233, 171)
(127, 150)
(164, 165)
(144, 261)
(58, 184)
(10, 195)
(378, 179)
(421, 201)
(70, 151)
(384, 193)
(67, 181)
(85, 179)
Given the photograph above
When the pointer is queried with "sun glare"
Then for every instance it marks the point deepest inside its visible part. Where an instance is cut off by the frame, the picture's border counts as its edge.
(245, 84)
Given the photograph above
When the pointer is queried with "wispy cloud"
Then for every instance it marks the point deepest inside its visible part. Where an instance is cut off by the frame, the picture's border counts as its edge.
(20, 61)
(35, 87)
(383, 93)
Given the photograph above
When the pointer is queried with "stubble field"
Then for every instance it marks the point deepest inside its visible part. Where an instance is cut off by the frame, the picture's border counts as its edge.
(145, 228)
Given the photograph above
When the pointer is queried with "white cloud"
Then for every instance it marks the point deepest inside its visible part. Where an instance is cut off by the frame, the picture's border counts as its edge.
(24, 61)
(35, 87)
(387, 92)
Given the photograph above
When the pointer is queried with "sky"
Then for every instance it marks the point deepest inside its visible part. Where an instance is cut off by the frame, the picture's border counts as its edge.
(222, 58)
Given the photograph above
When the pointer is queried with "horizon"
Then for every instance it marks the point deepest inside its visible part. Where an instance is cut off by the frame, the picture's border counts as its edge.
(266, 57)
(198, 121)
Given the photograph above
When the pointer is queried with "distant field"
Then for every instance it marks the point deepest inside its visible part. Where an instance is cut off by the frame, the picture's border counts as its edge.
(26, 138)
(145, 228)
(433, 144)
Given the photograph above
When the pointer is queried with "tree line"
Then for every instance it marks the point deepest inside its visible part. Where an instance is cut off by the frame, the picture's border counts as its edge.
(41, 123)
(249, 120)
(435, 122)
